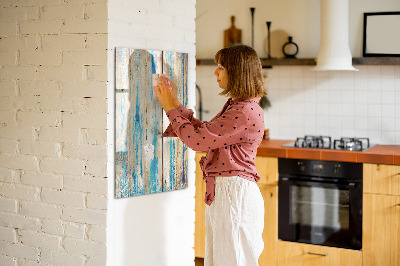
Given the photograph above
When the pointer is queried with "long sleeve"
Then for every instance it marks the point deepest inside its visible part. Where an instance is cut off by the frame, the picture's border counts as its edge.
(186, 113)
(222, 131)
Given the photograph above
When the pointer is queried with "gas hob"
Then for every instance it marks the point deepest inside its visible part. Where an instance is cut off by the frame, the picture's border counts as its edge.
(325, 142)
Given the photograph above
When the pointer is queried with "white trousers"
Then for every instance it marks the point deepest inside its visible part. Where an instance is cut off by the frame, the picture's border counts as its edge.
(234, 223)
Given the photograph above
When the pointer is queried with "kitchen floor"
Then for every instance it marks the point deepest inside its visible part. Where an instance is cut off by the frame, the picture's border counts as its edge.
(198, 262)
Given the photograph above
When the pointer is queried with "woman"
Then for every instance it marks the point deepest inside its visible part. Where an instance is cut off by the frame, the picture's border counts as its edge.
(235, 207)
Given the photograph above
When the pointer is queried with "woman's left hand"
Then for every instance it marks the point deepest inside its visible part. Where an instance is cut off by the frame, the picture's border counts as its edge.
(164, 94)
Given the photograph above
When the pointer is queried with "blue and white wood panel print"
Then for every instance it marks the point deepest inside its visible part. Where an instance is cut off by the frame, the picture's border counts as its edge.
(145, 162)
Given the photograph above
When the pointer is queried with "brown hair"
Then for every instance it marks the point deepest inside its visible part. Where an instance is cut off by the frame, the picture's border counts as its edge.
(245, 78)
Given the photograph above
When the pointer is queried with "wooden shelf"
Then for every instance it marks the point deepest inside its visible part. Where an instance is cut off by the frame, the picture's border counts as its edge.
(376, 61)
(312, 61)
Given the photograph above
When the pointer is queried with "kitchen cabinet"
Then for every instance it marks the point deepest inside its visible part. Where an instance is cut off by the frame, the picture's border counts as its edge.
(270, 233)
(381, 179)
(381, 215)
(381, 230)
(298, 254)
(200, 207)
(267, 168)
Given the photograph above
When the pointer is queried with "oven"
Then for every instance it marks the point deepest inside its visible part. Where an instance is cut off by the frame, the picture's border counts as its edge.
(320, 202)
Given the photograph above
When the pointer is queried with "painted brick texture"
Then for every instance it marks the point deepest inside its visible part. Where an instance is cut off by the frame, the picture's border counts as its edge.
(53, 111)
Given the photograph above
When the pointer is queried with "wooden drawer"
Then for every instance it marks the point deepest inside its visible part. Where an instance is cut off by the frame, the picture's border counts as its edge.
(381, 179)
(297, 254)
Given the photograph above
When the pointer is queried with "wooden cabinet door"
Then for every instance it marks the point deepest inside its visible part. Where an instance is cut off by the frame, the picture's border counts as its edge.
(270, 233)
(200, 207)
(267, 168)
(297, 254)
(381, 230)
(381, 179)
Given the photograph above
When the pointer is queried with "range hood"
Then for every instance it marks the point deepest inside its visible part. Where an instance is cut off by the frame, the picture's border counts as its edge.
(334, 51)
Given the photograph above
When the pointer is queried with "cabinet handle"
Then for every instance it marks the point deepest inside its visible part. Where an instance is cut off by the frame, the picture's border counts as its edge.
(318, 254)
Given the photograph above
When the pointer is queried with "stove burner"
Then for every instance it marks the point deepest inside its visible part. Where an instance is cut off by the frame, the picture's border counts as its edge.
(308, 141)
(324, 142)
(351, 144)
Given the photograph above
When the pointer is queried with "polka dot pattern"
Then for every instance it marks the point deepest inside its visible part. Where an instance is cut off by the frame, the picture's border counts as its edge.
(231, 139)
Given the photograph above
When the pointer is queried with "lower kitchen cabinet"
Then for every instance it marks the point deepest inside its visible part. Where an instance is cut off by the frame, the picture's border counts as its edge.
(298, 254)
(381, 179)
(200, 207)
(381, 230)
(270, 233)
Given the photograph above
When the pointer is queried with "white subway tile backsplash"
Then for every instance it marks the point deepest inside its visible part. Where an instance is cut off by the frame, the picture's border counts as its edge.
(360, 97)
(375, 136)
(297, 83)
(387, 72)
(374, 123)
(338, 104)
(388, 97)
(322, 121)
(348, 96)
(284, 83)
(361, 110)
(334, 109)
(388, 124)
(374, 84)
(388, 84)
(347, 122)
(310, 109)
(348, 133)
(335, 122)
(374, 97)
(374, 111)
(397, 110)
(284, 72)
(335, 95)
(322, 95)
(297, 72)
(397, 71)
(388, 110)
(347, 110)
(322, 109)
(389, 136)
(361, 123)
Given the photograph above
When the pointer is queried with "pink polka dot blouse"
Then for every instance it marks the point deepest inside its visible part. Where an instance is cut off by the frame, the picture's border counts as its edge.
(231, 139)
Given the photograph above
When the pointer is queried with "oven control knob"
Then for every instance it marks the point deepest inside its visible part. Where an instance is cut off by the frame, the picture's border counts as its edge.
(336, 169)
(302, 167)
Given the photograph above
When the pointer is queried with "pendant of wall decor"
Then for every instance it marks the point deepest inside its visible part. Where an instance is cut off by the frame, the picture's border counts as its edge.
(146, 163)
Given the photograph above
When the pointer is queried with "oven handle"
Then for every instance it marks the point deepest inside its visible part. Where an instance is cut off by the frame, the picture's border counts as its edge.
(297, 181)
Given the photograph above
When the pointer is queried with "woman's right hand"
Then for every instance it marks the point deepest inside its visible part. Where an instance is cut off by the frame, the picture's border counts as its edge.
(174, 89)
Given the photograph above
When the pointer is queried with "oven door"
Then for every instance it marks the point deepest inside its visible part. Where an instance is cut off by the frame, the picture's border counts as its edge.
(321, 212)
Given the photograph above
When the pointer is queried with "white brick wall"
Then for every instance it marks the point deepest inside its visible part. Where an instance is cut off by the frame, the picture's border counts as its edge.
(53, 107)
